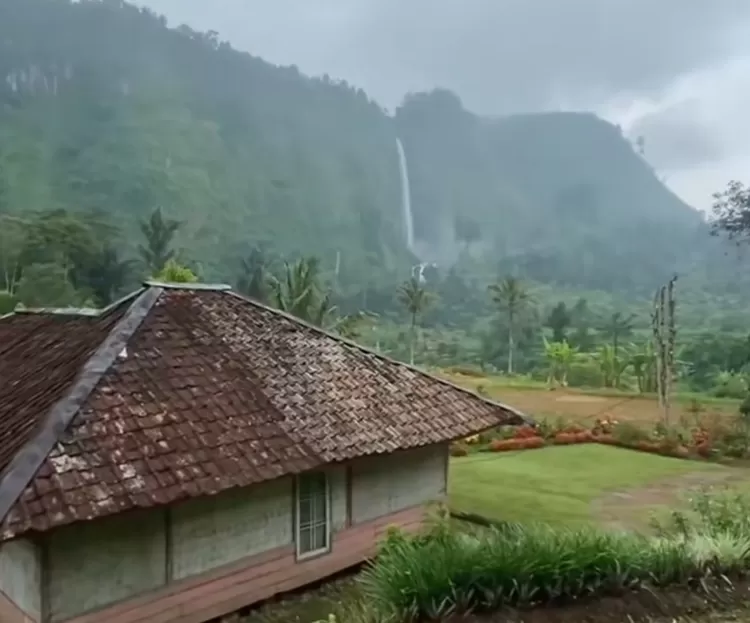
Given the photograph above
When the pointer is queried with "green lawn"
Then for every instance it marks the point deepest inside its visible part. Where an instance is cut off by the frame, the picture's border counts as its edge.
(556, 485)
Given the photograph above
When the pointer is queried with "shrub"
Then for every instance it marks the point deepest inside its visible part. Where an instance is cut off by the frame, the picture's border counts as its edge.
(744, 409)
(459, 449)
(532, 442)
(629, 434)
(525, 432)
(585, 374)
(730, 385)
(532, 565)
(8, 302)
(505, 445)
(712, 513)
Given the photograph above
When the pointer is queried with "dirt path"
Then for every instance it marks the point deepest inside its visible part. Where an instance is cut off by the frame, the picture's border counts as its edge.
(631, 508)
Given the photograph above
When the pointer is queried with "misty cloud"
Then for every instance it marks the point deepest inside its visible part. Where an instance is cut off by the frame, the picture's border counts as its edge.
(506, 56)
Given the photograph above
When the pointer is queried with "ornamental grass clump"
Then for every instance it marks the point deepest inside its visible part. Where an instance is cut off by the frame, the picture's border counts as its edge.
(449, 571)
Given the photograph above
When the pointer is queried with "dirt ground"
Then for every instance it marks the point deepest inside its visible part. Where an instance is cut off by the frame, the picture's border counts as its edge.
(718, 602)
(715, 601)
(630, 509)
(587, 407)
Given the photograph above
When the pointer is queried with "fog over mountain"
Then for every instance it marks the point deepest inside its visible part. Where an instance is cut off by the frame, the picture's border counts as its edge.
(673, 71)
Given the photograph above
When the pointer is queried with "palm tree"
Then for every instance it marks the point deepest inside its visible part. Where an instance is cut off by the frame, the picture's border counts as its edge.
(615, 327)
(299, 292)
(513, 298)
(253, 280)
(158, 233)
(416, 299)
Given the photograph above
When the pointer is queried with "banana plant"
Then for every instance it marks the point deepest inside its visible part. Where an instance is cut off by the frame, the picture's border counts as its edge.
(560, 356)
(611, 365)
(643, 361)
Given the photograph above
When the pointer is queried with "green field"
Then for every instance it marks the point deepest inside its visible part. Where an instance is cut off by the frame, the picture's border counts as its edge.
(559, 484)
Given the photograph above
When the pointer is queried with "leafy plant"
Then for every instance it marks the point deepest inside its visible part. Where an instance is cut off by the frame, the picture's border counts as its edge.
(560, 356)
(448, 571)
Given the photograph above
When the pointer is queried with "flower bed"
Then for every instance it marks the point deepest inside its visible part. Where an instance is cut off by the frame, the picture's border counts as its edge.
(704, 440)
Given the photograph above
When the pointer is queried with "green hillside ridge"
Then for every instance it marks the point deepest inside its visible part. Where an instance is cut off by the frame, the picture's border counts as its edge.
(105, 110)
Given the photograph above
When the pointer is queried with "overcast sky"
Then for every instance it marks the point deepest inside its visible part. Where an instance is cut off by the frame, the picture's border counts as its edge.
(675, 71)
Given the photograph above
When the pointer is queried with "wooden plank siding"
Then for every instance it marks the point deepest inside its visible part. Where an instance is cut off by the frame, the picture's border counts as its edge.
(222, 591)
(11, 613)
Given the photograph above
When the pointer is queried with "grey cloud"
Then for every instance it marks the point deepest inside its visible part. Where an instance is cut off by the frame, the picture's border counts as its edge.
(675, 141)
(506, 56)
(500, 55)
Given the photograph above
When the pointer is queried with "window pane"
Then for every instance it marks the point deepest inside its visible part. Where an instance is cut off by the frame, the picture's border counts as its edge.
(305, 512)
(320, 536)
(312, 517)
(319, 507)
(305, 541)
(312, 484)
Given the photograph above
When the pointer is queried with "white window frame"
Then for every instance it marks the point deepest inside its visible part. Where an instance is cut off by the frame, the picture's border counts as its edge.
(315, 522)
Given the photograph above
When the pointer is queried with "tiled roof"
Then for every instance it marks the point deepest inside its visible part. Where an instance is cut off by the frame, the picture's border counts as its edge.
(198, 391)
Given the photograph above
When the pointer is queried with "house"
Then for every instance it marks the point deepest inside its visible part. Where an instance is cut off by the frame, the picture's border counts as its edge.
(187, 452)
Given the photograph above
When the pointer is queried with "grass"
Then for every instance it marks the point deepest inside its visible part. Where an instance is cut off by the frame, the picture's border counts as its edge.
(309, 606)
(554, 485)
(493, 384)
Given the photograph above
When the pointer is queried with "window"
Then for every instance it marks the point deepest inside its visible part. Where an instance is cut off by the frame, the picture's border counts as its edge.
(313, 529)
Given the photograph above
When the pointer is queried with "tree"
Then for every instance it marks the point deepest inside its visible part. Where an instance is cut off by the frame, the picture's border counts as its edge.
(159, 234)
(12, 235)
(47, 285)
(643, 362)
(8, 302)
(581, 323)
(172, 272)
(254, 275)
(612, 367)
(559, 320)
(107, 275)
(299, 292)
(466, 230)
(616, 327)
(731, 212)
(560, 356)
(416, 299)
(513, 298)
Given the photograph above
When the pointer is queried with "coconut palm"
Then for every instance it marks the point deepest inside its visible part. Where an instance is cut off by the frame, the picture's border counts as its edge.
(299, 292)
(513, 299)
(615, 327)
(416, 299)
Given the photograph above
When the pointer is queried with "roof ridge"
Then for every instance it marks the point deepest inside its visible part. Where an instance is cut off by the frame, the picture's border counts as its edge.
(381, 356)
(27, 461)
(91, 312)
(174, 285)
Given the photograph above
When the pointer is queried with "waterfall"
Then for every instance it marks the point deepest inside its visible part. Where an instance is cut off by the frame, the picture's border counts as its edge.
(405, 195)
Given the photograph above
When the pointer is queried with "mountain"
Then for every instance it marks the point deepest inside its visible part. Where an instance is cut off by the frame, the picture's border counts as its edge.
(106, 111)
(560, 196)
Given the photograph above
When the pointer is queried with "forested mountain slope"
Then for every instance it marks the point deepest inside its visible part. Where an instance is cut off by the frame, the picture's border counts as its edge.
(106, 111)
(562, 197)
(105, 108)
